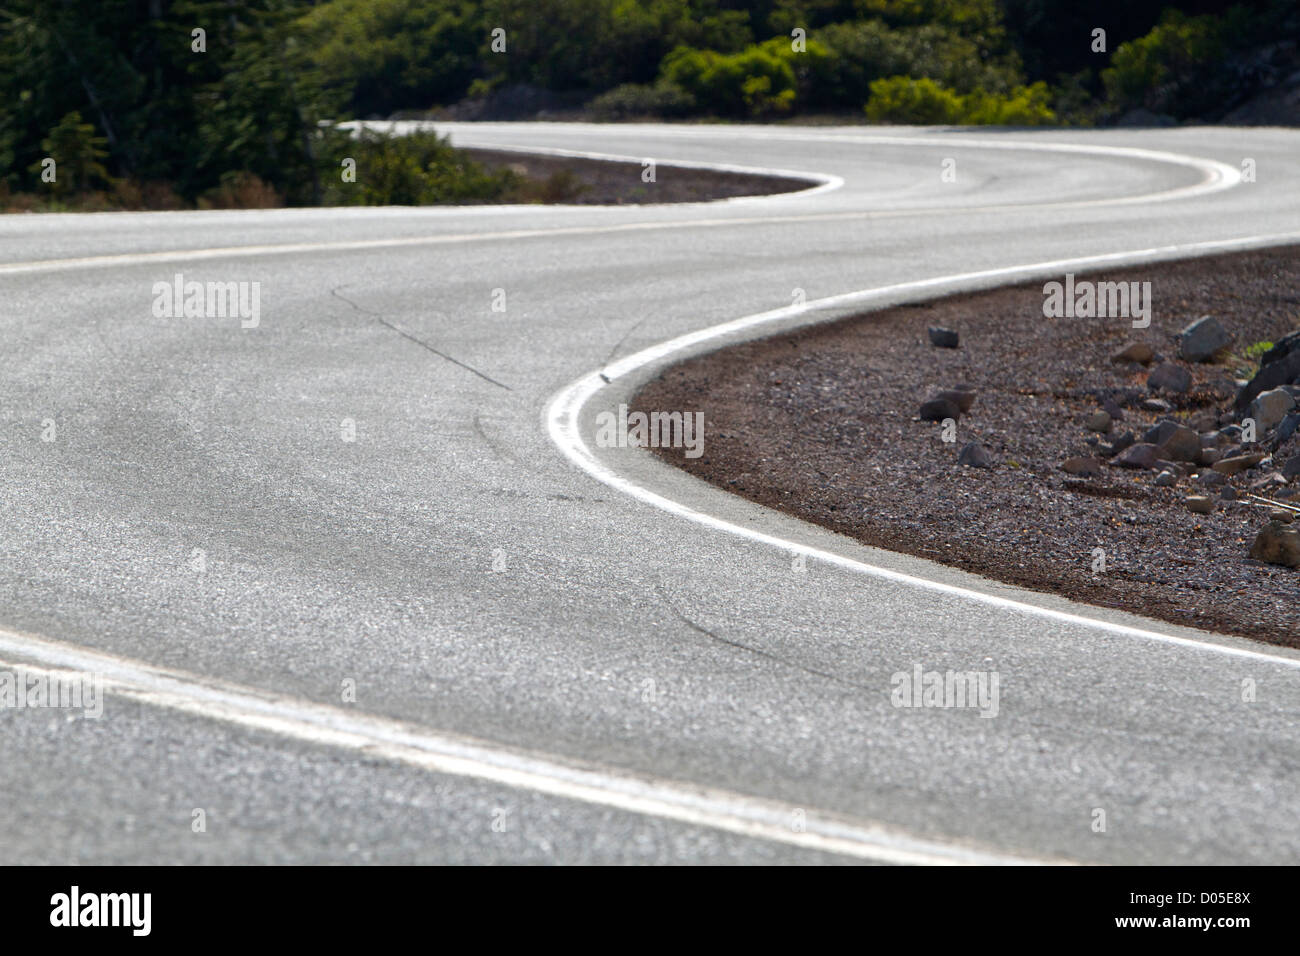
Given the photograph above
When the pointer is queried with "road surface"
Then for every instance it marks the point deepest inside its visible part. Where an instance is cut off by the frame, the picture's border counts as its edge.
(467, 634)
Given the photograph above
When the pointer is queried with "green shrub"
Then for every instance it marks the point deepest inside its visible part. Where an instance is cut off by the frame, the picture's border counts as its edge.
(1171, 69)
(661, 99)
(901, 99)
(416, 170)
(1023, 106)
(753, 82)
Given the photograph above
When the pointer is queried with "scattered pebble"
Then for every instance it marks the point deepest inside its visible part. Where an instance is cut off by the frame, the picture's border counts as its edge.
(943, 338)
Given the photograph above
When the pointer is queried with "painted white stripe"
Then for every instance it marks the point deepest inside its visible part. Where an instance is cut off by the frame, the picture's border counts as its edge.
(1216, 176)
(563, 416)
(435, 752)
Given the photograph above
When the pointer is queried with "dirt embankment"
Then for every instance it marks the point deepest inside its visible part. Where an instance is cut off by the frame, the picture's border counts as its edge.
(825, 424)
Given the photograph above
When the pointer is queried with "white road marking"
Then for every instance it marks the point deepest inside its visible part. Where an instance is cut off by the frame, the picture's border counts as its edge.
(563, 416)
(1216, 176)
(648, 795)
(435, 752)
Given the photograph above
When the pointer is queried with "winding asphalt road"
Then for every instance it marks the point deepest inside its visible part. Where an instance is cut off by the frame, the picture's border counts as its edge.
(564, 653)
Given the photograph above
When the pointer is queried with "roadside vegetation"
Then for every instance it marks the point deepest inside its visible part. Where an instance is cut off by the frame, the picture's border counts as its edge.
(170, 104)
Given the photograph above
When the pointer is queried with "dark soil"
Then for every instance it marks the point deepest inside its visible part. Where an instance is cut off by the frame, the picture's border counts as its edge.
(563, 179)
(823, 424)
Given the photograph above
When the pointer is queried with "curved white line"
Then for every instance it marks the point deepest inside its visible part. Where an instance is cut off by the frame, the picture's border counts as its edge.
(823, 182)
(454, 755)
(563, 416)
(1216, 175)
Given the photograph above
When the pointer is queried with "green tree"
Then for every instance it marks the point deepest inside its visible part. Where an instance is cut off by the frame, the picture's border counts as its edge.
(78, 155)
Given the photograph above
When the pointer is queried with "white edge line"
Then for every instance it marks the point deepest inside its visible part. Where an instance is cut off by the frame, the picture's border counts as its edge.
(1216, 176)
(564, 412)
(822, 182)
(645, 795)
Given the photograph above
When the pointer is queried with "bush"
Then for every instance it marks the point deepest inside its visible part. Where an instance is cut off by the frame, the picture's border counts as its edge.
(241, 189)
(753, 82)
(417, 170)
(1170, 69)
(1023, 106)
(662, 99)
(901, 99)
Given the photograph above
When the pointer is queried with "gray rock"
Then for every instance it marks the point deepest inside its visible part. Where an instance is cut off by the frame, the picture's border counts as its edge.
(1169, 378)
(1098, 422)
(962, 396)
(1290, 425)
(1199, 504)
(1111, 408)
(1081, 465)
(937, 409)
(942, 338)
(1280, 365)
(1277, 543)
(1182, 444)
(975, 456)
(1292, 467)
(1155, 405)
(1161, 430)
(1228, 493)
(1200, 340)
(1269, 408)
(1166, 479)
(1211, 479)
(1238, 463)
(1141, 455)
(1138, 352)
(1122, 441)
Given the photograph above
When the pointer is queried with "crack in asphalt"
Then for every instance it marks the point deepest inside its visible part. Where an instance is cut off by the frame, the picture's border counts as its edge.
(424, 345)
(752, 650)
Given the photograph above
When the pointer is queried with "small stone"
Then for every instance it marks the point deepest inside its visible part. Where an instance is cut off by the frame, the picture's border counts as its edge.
(963, 396)
(1200, 340)
(1081, 465)
(937, 409)
(1228, 493)
(1269, 408)
(1169, 378)
(1277, 543)
(1120, 442)
(1138, 352)
(1211, 479)
(1292, 467)
(975, 456)
(942, 338)
(1155, 405)
(1199, 504)
(1111, 408)
(1282, 515)
(1141, 455)
(1290, 425)
(1238, 463)
(1181, 444)
(1166, 479)
(1099, 422)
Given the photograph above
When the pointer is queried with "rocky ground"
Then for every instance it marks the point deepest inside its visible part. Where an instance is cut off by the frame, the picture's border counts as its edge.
(555, 179)
(1082, 456)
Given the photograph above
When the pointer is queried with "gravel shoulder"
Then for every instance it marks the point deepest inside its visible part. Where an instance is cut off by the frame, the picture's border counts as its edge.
(566, 179)
(825, 424)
